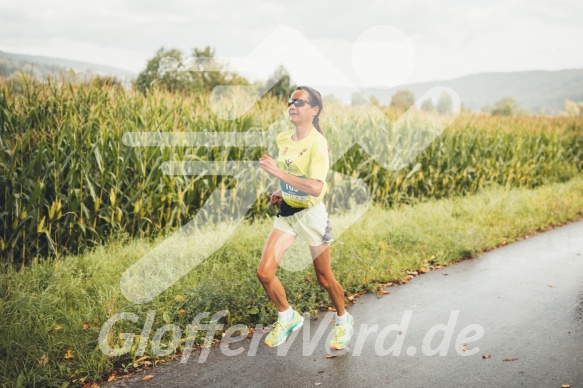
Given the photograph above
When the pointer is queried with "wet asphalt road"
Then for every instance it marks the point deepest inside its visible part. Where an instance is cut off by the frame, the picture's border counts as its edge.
(522, 302)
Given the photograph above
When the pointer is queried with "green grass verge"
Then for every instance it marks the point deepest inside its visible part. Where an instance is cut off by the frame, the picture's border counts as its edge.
(80, 293)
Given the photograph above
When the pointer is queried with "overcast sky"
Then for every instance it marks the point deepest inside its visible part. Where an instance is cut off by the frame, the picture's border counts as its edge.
(367, 42)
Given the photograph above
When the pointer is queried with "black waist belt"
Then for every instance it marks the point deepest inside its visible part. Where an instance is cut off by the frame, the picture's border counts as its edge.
(286, 210)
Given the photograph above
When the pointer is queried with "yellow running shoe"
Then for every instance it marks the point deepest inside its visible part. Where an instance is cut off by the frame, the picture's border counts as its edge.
(342, 334)
(282, 329)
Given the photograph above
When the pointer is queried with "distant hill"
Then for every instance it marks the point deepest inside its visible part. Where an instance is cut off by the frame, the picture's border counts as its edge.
(538, 91)
(39, 67)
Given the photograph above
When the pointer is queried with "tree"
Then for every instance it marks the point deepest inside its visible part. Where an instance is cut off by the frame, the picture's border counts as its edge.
(207, 72)
(444, 103)
(171, 71)
(402, 99)
(162, 70)
(573, 109)
(331, 100)
(357, 99)
(428, 105)
(282, 87)
(102, 82)
(21, 82)
(374, 100)
(506, 106)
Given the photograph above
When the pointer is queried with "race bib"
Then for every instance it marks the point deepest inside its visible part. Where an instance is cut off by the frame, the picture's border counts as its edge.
(293, 193)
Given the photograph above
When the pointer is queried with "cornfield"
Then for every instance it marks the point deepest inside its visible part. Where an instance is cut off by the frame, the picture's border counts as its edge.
(68, 181)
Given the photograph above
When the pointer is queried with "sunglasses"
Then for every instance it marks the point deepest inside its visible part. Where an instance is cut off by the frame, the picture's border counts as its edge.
(298, 102)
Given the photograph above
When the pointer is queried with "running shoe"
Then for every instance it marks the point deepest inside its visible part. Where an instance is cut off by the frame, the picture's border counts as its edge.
(282, 329)
(342, 334)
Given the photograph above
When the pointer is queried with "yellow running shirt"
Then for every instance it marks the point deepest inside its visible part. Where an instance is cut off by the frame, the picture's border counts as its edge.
(307, 158)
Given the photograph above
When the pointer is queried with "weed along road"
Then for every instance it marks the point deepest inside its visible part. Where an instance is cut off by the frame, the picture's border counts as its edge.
(511, 317)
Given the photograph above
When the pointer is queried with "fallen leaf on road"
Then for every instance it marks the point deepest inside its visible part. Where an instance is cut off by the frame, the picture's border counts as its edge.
(565, 385)
(330, 356)
(486, 356)
(111, 378)
(550, 285)
(56, 329)
(86, 325)
(510, 359)
(147, 377)
(69, 354)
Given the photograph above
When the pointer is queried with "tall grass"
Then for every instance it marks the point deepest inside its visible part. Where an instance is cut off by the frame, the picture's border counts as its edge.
(79, 293)
(67, 181)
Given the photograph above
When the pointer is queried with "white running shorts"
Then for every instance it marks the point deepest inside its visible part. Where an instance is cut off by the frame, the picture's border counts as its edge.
(311, 225)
